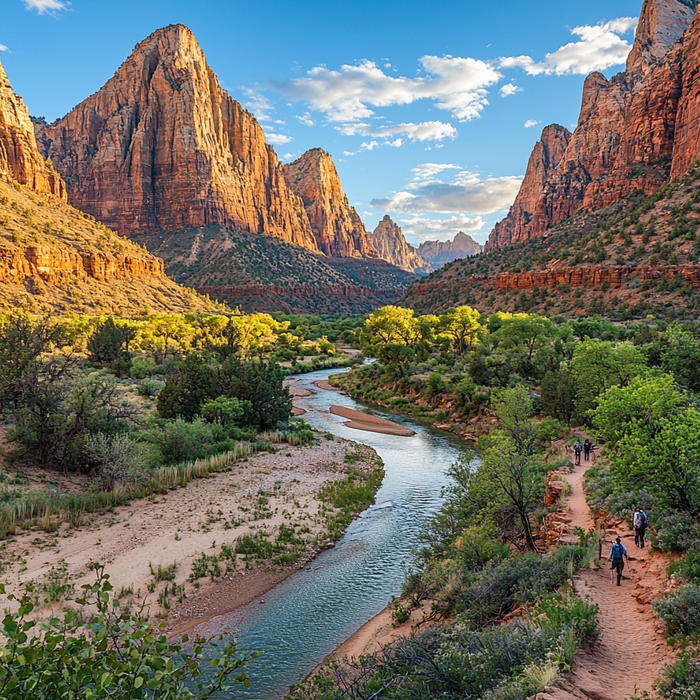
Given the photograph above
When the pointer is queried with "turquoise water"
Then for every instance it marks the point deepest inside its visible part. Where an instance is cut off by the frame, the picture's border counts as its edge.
(319, 607)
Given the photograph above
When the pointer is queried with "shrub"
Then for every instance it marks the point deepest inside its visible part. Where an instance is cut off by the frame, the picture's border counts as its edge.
(688, 568)
(116, 655)
(675, 532)
(150, 387)
(680, 680)
(680, 609)
(179, 441)
(118, 461)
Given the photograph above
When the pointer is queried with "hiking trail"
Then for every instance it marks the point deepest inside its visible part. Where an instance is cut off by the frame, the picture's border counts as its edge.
(631, 650)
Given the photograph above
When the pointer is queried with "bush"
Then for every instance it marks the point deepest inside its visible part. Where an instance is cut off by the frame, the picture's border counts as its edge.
(675, 532)
(180, 441)
(118, 461)
(116, 655)
(680, 681)
(688, 568)
(150, 387)
(680, 610)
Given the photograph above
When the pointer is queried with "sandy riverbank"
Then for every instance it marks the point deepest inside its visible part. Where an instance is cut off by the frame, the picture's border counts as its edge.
(366, 421)
(255, 498)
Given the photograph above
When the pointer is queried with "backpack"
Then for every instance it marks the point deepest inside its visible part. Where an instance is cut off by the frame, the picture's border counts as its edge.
(642, 519)
(617, 552)
(577, 448)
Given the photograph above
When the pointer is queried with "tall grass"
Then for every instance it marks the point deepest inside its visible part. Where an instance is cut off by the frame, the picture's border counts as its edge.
(48, 509)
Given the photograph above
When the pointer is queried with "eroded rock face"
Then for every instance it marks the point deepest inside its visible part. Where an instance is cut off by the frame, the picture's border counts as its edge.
(336, 226)
(19, 157)
(630, 130)
(162, 146)
(439, 253)
(390, 244)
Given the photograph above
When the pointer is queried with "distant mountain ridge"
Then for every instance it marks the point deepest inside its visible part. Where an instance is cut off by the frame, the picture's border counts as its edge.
(439, 253)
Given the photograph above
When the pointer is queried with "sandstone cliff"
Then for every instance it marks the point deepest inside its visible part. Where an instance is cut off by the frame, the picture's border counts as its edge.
(439, 253)
(634, 130)
(336, 225)
(389, 244)
(19, 156)
(162, 145)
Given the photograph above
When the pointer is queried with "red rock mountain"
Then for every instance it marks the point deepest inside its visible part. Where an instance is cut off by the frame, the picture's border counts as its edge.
(634, 131)
(20, 159)
(439, 253)
(389, 243)
(338, 229)
(162, 146)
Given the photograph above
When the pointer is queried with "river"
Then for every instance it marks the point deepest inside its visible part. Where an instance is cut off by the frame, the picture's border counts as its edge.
(320, 606)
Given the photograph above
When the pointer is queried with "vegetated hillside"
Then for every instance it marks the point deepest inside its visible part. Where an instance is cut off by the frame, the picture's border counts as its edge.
(262, 273)
(636, 257)
(55, 258)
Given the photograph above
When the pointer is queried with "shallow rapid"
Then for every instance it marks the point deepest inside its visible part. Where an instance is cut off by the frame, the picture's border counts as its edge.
(319, 607)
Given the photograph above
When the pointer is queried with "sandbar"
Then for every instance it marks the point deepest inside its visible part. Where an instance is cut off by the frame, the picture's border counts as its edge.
(373, 424)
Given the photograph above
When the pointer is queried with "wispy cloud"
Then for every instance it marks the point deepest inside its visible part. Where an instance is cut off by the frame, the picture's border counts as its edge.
(3, 47)
(455, 84)
(423, 228)
(258, 104)
(45, 6)
(467, 192)
(306, 119)
(423, 131)
(530, 123)
(600, 46)
(277, 139)
(365, 146)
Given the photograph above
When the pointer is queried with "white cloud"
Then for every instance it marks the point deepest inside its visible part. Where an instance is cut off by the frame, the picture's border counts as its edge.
(306, 119)
(425, 173)
(509, 89)
(466, 193)
(600, 46)
(365, 146)
(424, 131)
(259, 105)
(3, 47)
(423, 228)
(278, 139)
(456, 84)
(530, 123)
(44, 6)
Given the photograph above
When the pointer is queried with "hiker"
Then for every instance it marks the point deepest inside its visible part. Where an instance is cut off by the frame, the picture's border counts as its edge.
(587, 447)
(617, 555)
(577, 452)
(640, 526)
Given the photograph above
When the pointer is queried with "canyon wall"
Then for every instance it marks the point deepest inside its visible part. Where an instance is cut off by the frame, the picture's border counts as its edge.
(338, 229)
(634, 131)
(20, 159)
(162, 146)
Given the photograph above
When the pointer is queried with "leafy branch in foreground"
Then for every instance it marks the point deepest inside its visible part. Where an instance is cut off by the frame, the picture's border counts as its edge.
(107, 654)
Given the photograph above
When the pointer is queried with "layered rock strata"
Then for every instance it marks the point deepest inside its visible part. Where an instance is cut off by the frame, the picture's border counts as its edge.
(20, 159)
(336, 226)
(634, 131)
(439, 253)
(389, 243)
(162, 146)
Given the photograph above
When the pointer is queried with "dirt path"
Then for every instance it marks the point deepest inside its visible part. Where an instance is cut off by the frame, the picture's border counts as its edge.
(631, 651)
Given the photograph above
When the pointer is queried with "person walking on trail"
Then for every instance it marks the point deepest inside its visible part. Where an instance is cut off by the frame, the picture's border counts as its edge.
(587, 446)
(577, 452)
(640, 526)
(617, 555)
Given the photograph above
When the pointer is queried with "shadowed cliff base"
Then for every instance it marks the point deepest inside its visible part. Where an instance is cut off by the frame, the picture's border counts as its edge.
(262, 273)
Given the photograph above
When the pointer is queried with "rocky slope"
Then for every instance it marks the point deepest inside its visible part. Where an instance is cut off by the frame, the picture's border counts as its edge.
(439, 253)
(336, 225)
(389, 243)
(19, 157)
(162, 146)
(638, 256)
(634, 132)
(272, 275)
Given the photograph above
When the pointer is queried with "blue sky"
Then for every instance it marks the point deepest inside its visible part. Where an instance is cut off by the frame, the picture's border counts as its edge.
(430, 110)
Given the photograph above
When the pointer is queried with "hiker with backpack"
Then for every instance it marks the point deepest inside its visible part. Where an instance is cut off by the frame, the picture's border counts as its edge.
(577, 452)
(640, 526)
(617, 555)
(587, 447)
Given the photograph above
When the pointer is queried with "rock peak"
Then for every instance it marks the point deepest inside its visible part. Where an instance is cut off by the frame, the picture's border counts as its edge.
(336, 226)
(439, 253)
(162, 146)
(19, 156)
(390, 244)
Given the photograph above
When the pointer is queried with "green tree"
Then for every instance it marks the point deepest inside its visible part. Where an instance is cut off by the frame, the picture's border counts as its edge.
(186, 391)
(461, 325)
(113, 655)
(390, 324)
(559, 395)
(598, 365)
(227, 411)
(109, 341)
(653, 433)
